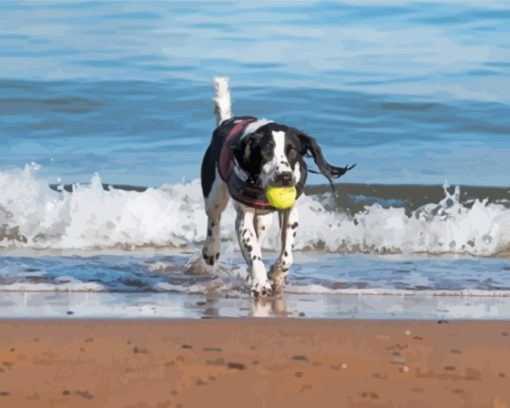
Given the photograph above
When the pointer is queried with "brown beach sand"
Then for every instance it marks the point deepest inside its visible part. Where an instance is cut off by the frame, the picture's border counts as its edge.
(254, 363)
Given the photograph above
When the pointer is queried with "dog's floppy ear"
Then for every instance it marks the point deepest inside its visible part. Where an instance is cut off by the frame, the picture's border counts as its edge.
(310, 148)
(243, 147)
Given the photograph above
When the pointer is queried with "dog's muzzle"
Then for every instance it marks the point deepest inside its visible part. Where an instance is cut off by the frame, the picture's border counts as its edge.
(284, 179)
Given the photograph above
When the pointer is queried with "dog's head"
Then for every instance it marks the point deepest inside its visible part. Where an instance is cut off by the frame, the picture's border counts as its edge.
(275, 154)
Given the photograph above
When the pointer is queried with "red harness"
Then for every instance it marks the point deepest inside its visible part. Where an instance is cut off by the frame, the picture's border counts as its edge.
(226, 162)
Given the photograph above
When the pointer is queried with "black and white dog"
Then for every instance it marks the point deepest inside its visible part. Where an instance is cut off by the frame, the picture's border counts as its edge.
(247, 155)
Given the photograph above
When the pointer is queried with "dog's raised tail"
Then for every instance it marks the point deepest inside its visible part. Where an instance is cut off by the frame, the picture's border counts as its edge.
(222, 101)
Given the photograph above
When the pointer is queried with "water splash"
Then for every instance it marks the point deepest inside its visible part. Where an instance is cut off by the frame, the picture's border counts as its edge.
(34, 216)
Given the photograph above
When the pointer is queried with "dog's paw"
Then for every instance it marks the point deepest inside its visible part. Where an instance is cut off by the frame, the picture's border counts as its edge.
(277, 276)
(210, 259)
(197, 265)
(261, 289)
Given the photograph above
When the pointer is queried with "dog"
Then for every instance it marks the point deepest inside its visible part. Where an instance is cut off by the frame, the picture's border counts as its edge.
(245, 157)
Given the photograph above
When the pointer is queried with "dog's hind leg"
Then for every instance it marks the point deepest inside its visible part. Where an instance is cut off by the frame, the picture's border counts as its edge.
(251, 250)
(280, 269)
(215, 202)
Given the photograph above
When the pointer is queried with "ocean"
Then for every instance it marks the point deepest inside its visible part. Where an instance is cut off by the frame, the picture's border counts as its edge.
(106, 111)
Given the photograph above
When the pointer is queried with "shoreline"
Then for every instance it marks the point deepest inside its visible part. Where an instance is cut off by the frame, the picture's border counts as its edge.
(254, 363)
(168, 305)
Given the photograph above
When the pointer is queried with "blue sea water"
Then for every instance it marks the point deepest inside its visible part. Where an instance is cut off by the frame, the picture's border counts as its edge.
(413, 92)
(120, 92)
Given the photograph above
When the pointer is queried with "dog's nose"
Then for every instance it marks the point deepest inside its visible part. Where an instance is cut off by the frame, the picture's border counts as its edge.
(284, 179)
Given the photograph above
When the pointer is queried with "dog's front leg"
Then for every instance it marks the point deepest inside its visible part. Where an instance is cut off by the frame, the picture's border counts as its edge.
(262, 224)
(280, 269)
(251, 250)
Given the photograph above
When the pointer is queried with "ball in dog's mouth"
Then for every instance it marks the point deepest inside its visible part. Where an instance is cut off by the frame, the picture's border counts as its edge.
(281, 198)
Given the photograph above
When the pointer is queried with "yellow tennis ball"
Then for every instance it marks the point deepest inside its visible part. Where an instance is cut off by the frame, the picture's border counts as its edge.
(281, 197)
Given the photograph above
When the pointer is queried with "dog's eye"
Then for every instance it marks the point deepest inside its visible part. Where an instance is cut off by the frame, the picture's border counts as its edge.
(267, 151)
(291, 152)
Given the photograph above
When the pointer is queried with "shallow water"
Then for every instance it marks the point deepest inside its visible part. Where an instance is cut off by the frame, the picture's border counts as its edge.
(313, 273)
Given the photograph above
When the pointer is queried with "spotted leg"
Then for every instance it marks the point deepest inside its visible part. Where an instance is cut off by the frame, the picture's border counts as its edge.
(215, 203)
(251, 250)
(262, 224)
(280, 269)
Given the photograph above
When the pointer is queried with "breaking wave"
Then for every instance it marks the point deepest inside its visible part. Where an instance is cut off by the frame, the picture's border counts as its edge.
(32, 215)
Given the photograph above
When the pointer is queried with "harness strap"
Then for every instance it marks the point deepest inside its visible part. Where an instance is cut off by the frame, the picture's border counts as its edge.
(226, 161)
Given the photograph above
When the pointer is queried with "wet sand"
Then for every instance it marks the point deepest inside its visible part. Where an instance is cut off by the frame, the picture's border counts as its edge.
(254, 363)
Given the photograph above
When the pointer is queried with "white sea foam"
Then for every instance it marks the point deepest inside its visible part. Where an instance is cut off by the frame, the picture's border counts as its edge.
(73, 285)
(233, 285)
(34, 216)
